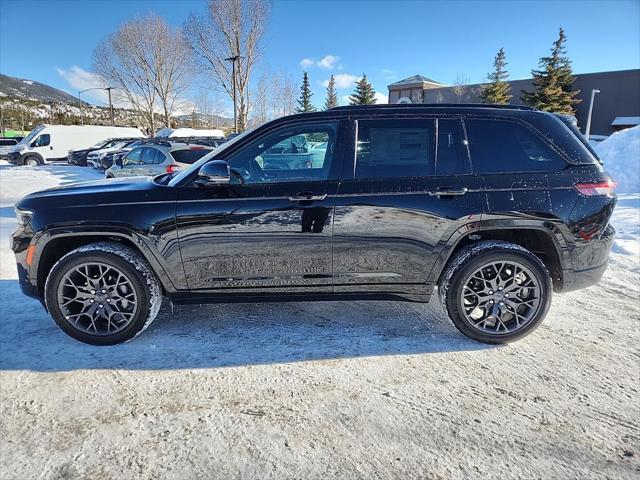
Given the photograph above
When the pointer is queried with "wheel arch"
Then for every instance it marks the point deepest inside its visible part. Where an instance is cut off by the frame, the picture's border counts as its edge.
(57, 244)
(543, 239)
(26, 155)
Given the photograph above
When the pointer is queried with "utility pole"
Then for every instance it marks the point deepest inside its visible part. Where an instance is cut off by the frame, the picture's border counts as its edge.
(108, 89)
(587, 130)
(233, 61)
(81, 110)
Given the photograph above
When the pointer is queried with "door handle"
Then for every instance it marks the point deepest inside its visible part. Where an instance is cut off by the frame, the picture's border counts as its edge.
(304, 197)
(448, 191)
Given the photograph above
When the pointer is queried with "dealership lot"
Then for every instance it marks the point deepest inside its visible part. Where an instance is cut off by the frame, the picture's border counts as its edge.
(373, 390)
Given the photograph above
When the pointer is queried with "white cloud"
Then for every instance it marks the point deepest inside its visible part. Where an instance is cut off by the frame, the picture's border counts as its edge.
(80, 79)
(343, 80)
(388, 74)
(329, 62)
(381, 98)
(307, 62)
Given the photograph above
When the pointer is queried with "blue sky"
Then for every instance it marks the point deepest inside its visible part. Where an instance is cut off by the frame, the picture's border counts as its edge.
(52, 41)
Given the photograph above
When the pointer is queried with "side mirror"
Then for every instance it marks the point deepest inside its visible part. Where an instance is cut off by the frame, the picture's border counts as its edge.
(118, 161)
(213, 173)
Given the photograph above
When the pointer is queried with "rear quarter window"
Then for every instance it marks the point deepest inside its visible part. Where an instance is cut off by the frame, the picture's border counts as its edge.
(500, 146)
(189, 156)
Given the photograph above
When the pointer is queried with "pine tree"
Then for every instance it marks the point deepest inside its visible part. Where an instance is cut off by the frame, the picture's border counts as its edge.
(332, 96)
(304, 102)
(553, 81)
(499, 90)
(363, 94)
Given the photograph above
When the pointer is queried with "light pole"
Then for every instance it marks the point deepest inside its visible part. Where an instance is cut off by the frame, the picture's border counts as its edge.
(588, 129)
(108, 89)
(233, 61)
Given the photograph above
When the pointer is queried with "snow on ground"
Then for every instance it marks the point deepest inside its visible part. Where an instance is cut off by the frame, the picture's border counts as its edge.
(316, 390)
(621, 156)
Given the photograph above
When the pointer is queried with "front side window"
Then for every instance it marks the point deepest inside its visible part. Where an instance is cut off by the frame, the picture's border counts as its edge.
(395, 148)
(287, 155)
(43, 140)
(499, 146)
(134, 157)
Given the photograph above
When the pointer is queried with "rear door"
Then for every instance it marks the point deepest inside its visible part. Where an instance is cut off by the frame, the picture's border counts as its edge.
(408, 188)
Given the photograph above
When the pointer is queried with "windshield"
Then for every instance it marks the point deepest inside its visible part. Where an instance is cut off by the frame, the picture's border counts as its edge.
(32, 135)
(196, 166)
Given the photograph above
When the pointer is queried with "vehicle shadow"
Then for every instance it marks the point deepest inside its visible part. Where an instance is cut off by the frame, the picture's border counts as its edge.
(226, 335)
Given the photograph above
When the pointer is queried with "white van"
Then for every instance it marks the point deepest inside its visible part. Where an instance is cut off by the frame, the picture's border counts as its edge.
(46, 143)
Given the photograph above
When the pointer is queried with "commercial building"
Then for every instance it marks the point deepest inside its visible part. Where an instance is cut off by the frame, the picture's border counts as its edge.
(617, 106)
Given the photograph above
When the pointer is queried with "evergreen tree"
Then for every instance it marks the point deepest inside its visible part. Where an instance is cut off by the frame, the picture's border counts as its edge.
(363, 94)
(304, 102)
(553, 81)
(332, 96)
(498, 91)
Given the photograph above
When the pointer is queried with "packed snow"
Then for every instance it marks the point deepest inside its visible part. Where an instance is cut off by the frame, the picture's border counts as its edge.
(621, 156)
(322, 390)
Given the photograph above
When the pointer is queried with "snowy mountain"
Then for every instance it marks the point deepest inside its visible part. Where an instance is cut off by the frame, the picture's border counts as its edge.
(31, 90)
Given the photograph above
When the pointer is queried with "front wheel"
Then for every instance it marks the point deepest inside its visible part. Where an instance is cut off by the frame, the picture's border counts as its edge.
(31, 161)
(496, 292)
(102, 294)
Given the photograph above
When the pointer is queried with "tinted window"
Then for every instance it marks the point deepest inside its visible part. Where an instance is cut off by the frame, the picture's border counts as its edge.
(5, 143)
(286, 155)
(43, 140)
(500, 146)
(189, 156)
(149, 155)
(133, 158)
(450, 158)
(394, 148)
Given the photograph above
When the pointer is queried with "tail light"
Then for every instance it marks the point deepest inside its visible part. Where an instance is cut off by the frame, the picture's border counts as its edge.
(173, 168)
(600, 189)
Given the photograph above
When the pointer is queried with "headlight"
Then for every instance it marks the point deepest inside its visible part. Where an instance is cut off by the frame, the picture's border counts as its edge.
(23, 216)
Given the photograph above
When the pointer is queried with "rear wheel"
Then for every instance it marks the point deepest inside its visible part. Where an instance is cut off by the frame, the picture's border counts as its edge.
(496, 292)
(102, 294)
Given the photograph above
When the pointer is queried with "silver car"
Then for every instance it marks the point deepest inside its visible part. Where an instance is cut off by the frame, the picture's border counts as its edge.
(153, 159)
(5, 146)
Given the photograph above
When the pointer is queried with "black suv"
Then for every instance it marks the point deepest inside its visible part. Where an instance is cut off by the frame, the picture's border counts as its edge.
(497, 206)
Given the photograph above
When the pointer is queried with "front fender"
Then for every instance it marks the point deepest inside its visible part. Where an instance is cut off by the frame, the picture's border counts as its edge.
(171, 276)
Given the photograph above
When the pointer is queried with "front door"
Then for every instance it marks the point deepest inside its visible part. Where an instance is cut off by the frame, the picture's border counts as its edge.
(270, 229)
(409, 190)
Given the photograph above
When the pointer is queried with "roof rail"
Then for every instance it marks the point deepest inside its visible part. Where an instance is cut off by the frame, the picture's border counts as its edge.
(432, 105)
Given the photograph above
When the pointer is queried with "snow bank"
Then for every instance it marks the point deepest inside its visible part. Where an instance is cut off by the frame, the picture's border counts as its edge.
(188, 132)
(621, 156)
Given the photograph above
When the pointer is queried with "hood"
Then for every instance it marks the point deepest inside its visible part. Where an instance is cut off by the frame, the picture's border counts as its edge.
(90, 193)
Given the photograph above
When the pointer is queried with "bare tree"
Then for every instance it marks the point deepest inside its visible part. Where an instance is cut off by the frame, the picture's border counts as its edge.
(146, 61)
(232, 28)
(460, 86)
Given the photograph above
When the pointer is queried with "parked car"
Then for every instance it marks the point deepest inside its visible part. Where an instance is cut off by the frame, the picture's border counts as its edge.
(80, 157)
(498, 206)
(5, 146)
(94, 158)
(155, 158)
(47, 143)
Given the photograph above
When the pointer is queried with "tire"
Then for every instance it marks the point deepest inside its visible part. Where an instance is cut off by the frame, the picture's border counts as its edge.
(108, 176)
(482, 314)
(130, 303)
(31, 161)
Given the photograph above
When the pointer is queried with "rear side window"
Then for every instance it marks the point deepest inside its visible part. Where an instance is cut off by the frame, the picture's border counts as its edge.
(149, 155)
(395, 148)
(189, 156)
(499, 146)
(450, 158)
